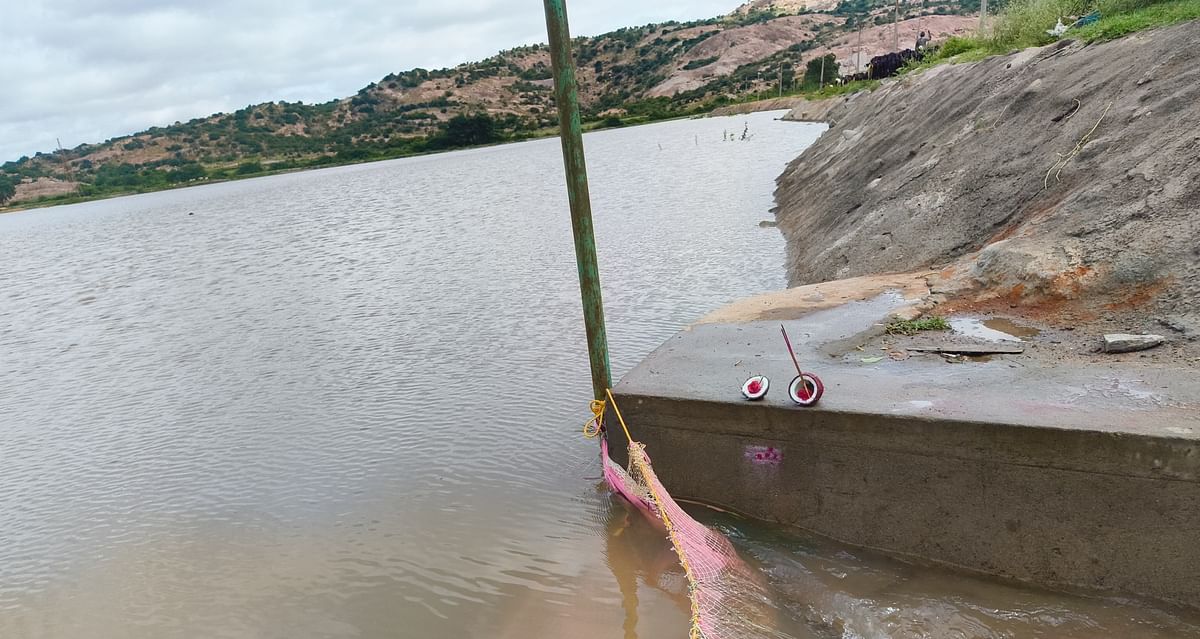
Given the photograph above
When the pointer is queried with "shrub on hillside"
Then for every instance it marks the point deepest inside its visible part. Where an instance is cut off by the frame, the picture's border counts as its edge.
(696, 64)
(7, 189)
(956, 45)
(467, 130)
(249, 168)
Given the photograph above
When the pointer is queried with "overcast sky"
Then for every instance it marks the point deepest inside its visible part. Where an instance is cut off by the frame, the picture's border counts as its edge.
(88, 70)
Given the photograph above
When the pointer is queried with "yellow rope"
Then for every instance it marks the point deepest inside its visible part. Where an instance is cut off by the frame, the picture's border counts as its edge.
(1064, 160)
(616, 410)
(673, 532)
(592, 427)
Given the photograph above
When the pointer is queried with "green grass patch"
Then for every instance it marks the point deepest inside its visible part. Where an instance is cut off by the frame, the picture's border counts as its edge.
(1024, 23)
(912, 327)
(1117, 25)
(957, 50)
(958, 45)
(834, 90)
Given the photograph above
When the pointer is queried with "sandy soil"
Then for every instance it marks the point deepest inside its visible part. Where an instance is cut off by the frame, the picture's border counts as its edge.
(1038, 337)
(798, 302)
(775, 104)
(43, 187)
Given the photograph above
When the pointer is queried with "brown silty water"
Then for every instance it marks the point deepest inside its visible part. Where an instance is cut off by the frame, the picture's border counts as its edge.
(346, 403)
(1010, 327)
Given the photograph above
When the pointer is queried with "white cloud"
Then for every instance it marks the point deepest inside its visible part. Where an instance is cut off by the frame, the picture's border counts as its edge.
(85, 71)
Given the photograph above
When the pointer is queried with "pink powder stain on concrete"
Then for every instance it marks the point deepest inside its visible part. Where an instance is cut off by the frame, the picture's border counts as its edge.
(764, 455)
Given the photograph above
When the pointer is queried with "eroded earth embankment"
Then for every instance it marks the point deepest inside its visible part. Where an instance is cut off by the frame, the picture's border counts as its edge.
(1060, 181)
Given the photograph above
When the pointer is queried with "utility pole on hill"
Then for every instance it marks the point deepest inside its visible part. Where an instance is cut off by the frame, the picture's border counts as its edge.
(982, 16)
(858, 56)
(821, 84)
(921, 21)
(896, 28)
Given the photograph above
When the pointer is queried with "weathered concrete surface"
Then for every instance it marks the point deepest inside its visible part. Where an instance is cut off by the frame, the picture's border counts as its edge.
(1073, 476)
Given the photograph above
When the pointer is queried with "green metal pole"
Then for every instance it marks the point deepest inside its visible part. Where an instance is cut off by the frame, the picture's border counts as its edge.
(567, 98)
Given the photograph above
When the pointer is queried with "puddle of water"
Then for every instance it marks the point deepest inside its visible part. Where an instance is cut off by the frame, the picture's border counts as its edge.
(1011, 328)
(993, 330)
(967, 359)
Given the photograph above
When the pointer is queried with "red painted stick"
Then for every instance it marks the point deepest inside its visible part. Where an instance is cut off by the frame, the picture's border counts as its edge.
(803, 386)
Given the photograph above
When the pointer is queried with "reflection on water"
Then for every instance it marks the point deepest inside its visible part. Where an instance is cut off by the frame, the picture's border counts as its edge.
(345, 403)
(640, 556)
(822, 590)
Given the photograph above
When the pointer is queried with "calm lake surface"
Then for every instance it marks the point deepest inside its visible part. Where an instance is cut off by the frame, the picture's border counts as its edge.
(347, 403)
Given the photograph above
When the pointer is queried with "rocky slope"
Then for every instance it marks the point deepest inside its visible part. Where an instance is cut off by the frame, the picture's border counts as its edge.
(1062, 181)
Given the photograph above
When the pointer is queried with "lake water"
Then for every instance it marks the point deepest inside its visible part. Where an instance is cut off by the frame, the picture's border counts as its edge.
(347, 403)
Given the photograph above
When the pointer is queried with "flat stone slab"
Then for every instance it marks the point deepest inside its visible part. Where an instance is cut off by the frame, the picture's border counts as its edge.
(1121, 343)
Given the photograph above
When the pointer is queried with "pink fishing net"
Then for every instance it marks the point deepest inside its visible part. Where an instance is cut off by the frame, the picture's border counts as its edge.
(728, 599)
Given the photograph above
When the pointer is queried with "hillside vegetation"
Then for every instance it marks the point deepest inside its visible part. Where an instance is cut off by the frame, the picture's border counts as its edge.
(628, 76)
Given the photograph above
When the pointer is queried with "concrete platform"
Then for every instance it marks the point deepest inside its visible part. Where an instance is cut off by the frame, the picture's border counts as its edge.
(1068, 475)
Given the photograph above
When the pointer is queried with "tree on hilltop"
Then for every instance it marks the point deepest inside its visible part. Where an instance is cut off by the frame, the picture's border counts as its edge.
(812, 74)
(8, 190)
(468, 130)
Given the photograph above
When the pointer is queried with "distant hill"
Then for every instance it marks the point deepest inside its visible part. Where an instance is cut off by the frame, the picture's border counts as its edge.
(627, 76)
(785, 7)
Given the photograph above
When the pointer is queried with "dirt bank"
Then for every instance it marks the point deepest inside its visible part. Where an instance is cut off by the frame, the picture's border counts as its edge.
(1061, 182)
(776, 104)
(799, 109)
(817, 110)
(43, 187)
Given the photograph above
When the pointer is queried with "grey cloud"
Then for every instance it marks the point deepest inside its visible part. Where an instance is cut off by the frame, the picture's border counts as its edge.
(85, 71)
